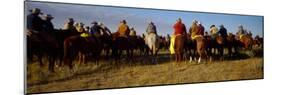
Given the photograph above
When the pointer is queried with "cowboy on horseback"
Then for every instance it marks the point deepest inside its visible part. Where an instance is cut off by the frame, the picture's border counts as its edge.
(69, 25)
(241, 31)
(223, 32)
(213, 31)
(201, 29)
(95, 29)
(123, 29)
(151, 28)
(40, 29)
(196, 30)
(34, 22)
(133, 32)
(177, 40)
(105, 30)
(179, 28)
(80, 28)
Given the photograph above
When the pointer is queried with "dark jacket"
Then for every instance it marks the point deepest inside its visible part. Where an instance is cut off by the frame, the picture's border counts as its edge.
(95, 29)
(34, 22)
(223, 32)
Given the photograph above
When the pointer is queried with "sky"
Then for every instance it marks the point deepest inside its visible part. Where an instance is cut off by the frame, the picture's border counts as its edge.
(139, 18)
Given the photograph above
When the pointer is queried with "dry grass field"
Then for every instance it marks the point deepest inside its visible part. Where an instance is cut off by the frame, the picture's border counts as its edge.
(109, 75)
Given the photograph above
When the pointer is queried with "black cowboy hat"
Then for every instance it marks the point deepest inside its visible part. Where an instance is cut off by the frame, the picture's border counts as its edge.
(94, 22)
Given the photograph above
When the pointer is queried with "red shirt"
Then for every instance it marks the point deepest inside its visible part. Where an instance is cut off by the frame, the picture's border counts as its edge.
(179, 28)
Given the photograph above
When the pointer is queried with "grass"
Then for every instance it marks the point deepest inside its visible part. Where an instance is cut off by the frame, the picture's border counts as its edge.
(109, 75)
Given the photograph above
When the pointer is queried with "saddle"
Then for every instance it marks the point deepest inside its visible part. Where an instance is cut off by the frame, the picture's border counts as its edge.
(84, 35)
(196, 36)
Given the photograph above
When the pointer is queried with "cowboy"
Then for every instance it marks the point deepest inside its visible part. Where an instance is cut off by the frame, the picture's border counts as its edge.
(250, 33)
(194, 29)
(80, 28)
(48, 34)
(69, 25)
(201, 29)
(213, 31)
(151, 28)
(223, 32)
(87, 29)
(241, 31)
(179, 28)
(123, 29)
(48, 25)
(133, 32)
(95, 29)
(34, 22)
(167, 38)
(106, 30)
(206, 33)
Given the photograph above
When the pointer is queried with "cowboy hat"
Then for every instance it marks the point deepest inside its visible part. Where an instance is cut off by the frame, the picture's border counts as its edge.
(194, 21)
(70, 20)
(123, 21)
(94, 22)
(36, 10)
(48, 16)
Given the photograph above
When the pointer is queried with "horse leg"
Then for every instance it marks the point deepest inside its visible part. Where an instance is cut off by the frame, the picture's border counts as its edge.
(83, 58)
(51, 64)
(40, 57)
(221, 51)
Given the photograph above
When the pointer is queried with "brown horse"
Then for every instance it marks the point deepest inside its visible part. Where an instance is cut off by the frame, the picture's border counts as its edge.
(246, 42)
(179, 47)
(120, 44)
(217, 44)
(232, 45)
(83, 47)
(220, 45)
(258, 41)
(201, 47)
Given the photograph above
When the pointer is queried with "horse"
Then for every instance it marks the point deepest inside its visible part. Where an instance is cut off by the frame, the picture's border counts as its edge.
(246, 41)
(120, 44)
(189, 48)
(61, 35)
(200, 47)
(258, 41)
(218, 44)
(232, 43)
(179, 47)
(83, 47)
(152, 41)
(106, 41)
(43, 44)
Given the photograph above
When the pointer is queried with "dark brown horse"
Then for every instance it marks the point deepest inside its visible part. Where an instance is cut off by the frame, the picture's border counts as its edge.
(83, 47)
(119, 45)
(218, 44)
(42, 44)
(232, 45)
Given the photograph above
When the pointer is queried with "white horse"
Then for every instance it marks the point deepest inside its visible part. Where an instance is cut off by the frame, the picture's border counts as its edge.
(152, 41)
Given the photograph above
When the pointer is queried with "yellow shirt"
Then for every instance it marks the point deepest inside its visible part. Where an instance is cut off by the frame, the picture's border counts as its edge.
(123, 30)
